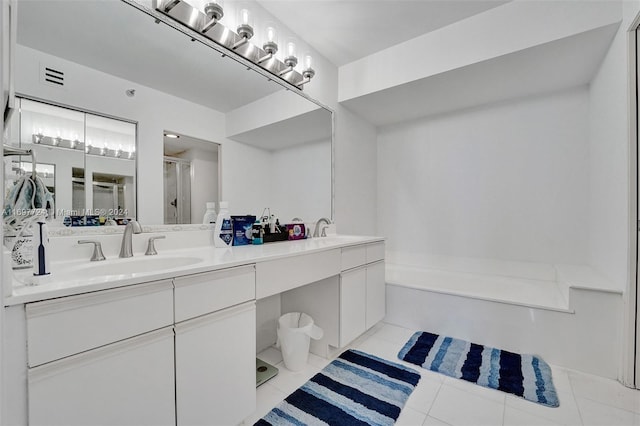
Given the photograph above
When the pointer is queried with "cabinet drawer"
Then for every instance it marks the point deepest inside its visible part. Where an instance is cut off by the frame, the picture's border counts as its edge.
(353, 257)
(69, 325)
(375, 252)
(201, 294)
(276, 276)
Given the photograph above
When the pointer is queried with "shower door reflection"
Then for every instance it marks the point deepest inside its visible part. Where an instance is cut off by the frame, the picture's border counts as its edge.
(177, 191)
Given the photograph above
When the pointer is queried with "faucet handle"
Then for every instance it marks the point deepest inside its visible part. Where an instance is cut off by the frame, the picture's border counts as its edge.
(151, 248)
(97, 249)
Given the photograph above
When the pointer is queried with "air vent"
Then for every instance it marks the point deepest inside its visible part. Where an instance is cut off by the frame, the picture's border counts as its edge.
(51, 76)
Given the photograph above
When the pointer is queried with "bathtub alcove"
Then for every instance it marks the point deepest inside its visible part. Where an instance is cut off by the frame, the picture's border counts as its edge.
(564, 313)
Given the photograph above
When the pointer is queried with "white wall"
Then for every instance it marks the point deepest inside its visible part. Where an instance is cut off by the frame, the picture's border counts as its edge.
(299, 189)
(504, 181)
(608, 225)
(355, 174)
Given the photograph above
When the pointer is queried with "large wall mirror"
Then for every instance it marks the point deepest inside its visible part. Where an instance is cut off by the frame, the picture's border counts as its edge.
(115, 59)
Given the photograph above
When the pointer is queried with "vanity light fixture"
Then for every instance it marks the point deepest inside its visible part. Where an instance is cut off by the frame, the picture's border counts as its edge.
(245, 29)
(308, 72)
(290, 60)
(270, 45)
(172, 135)
(204, 19)
(214, 12)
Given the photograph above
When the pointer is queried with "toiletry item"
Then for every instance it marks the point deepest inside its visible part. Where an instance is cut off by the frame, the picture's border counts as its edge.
(223, 231)
(296, 231)
(92, 220)
(210, 214)
(40, 248)
(272, 224)
(22, 251)
(258, 233)
(242, 232)
(77, 221)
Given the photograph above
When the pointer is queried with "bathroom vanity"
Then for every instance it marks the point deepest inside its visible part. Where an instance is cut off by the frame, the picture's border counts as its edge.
(177, 345)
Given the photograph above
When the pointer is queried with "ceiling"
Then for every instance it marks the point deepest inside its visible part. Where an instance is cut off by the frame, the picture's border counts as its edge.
(562, 64)
(113, 37)
(310, 127)
(346, 30)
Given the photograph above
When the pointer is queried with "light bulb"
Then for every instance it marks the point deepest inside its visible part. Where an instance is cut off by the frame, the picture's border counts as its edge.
(271, 34)
(291, 49)
(244, 16)
(308, 62)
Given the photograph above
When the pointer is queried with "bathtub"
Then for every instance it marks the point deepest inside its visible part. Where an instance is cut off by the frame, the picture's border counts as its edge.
(572, 320)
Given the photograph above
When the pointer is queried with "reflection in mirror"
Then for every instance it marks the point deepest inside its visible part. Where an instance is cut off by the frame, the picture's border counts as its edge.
(191, 177)
(72, 148)
(277, 142)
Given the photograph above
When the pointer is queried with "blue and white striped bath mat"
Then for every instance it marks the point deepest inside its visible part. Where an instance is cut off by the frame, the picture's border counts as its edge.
(355, 389)
(527, 376)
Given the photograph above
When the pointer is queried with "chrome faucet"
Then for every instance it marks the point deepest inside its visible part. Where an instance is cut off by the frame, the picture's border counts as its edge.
(316, 230)
(132, 227)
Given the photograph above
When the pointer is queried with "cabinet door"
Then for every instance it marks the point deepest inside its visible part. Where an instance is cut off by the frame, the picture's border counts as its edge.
(376, 297)
(353, 285)
(215, 367)
(125, 383)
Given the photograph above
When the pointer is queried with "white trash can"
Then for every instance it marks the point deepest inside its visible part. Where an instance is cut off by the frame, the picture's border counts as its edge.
(295, 330)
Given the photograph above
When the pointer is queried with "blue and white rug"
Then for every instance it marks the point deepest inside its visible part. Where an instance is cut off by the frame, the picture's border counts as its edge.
(527, 376)
(355, 389)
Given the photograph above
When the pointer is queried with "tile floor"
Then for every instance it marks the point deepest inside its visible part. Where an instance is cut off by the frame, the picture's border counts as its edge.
(439, 400)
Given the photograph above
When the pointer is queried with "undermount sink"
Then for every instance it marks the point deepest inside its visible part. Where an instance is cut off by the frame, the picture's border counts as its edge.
(111, 268)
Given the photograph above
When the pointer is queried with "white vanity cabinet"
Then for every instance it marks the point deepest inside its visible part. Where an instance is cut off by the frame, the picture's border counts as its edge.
(346, 304)
(215, 348)
(353, 289)
(102, 358)
(362, 290)
(125, 383)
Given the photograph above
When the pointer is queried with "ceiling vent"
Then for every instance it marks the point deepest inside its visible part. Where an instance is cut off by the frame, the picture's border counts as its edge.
(51, 76)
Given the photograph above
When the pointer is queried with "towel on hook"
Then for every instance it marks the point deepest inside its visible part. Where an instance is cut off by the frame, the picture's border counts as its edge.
(28, 193)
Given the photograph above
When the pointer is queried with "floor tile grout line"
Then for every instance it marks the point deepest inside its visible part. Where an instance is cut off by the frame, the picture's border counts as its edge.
(606, 404)
(575, 400)
(434, 399)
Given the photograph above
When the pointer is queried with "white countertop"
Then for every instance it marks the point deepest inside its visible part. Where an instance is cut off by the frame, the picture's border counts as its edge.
(210, 259)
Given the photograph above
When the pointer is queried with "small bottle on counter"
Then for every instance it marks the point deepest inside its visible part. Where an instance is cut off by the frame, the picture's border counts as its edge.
(209, 217)
(257, 233)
